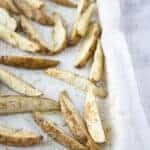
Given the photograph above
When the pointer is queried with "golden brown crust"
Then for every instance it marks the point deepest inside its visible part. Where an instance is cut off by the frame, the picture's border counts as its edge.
(15, 137)
(58, 135)
(75, 121)
(67, 3)
(77, 81)
(28, 62)
(38, 15)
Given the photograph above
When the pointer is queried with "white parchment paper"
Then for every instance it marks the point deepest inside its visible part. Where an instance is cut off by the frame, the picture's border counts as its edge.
(121, 111)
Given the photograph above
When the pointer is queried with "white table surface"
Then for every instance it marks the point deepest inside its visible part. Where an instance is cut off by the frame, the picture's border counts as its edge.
(136, 26)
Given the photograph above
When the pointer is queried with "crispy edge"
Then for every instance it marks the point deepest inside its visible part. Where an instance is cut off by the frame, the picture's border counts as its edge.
(77, 81)
(75, 121)
(28, 62)
(92, 118)
(97, 69)
(59, 26)
(88, 46)
(15, 137)
(67, 3)
(53, 131)
(36, 4)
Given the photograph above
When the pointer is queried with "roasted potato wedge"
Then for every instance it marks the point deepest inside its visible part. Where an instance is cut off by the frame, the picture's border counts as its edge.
(82, 6)
(77, 81)
(8, 4)
(81, 25)
(59, 34)
(7, 20)
(35, 3)
(97, 69)
(67, 3)
(25, 104)
(28, 62)
(18, 84)
(88, 46)
(52, 130)
(17, 40)
(92, 118)
(75, 121)
(31, 32)
(18, 137)
(38, 15)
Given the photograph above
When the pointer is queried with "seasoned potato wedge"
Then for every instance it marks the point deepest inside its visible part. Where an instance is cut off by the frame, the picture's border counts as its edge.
(92, 118)
(18, 84)
(81, 25)
(68, 3)
(88, 46)
(98, 64)
(31, 32)
(18, 137)
(75, 121)
(8, 4)
(21, 104)
(17, 40)
(38, 15)
(7, 20)
(35, 3)
(77, 81)
(59, 34)
(28, 62)
(52, 130)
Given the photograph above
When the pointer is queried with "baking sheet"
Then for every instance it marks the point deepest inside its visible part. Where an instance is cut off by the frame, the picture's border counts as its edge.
(121, 111)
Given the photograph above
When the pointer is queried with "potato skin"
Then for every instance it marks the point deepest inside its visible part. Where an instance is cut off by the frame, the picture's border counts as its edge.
(66, 3)
(18, 137)
(27, 62)
(38, 15)
(53, 131)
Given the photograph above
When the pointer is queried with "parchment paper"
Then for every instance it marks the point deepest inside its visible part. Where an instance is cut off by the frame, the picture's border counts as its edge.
(121, 111)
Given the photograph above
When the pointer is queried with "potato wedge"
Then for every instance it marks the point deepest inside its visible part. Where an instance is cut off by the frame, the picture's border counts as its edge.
(35, 3)
(75, 121)
(98, 64)
(31, 32)
(82, 6)
(67, 3)
(28, 62)
(7, 20)
(81, 25)
(92, 118)
(8, 4)
(17, 40)
(38, 15)
(88, 47)
(25, 104)
(18, 137)
(17, 84)
(52, 130)
(77, 81)
(59, 34)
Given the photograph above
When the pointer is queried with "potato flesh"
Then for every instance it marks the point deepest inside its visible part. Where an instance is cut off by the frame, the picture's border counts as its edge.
(92, 118)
